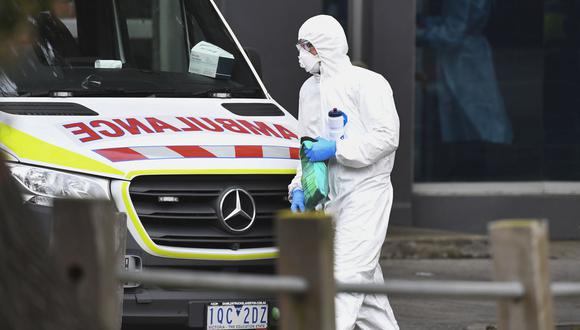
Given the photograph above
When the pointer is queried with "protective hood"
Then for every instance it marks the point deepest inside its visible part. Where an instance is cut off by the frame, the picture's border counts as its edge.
(329, 39)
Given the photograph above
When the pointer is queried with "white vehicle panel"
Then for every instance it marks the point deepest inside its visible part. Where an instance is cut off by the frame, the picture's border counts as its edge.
(161, 126)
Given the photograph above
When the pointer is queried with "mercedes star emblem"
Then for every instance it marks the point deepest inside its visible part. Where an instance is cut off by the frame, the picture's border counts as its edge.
(237, 210)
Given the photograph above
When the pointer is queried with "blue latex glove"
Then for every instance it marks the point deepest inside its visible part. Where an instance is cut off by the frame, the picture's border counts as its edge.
(321, 150)
(297, 201)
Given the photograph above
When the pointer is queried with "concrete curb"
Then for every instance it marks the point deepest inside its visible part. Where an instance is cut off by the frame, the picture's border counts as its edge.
(436, 248)
(417, 243)
(493, 327)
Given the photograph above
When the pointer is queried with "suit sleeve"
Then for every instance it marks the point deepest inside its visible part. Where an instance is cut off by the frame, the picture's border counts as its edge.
(379, 117)
(296, 183)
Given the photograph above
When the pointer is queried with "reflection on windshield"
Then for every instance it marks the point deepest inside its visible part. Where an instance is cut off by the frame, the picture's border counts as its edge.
(7, 86)
(141, 46)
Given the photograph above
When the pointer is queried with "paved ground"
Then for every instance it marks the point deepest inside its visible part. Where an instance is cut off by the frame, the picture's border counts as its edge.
(422, 313)
(448, 314)
(424, 254)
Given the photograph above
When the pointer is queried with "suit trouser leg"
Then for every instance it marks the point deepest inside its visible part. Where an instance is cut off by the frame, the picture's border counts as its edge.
(376, 312)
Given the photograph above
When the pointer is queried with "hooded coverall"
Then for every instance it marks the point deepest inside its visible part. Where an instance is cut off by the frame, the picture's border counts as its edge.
(361, 194)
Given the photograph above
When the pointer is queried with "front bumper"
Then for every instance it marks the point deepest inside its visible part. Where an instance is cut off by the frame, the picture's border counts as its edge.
(150, 306)
(179, 308)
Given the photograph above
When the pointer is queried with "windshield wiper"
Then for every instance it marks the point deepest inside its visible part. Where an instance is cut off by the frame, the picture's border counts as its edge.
(211, 92)
(227, 92)
(93, 92)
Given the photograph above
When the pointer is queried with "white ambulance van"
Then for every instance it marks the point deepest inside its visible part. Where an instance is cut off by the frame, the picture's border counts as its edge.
(154, 105)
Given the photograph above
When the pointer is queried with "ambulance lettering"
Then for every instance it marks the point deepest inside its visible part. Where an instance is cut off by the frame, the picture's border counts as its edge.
(113, 128)
(86, 134)
(259, 128)
(133, 126)
(189, 126)
(113, 131)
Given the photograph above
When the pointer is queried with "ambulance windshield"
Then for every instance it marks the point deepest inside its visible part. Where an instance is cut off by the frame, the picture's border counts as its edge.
(131, 48)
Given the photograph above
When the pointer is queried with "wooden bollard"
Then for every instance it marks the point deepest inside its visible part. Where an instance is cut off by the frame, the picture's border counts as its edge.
(120, 238)
(520, 253)
(25, 275)
(306, 250)
(86, 248)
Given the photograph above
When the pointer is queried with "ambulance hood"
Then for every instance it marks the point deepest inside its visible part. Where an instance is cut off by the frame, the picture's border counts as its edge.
(126, 137)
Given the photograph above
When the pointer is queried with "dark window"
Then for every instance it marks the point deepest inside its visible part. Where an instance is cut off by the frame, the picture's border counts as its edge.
(498, 86)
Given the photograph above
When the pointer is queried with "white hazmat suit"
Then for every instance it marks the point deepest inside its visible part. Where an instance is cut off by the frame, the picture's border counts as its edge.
(361, 194)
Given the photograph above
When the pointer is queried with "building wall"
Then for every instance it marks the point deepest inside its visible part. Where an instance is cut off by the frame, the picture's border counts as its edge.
(271, 28)
(474, 213)
(392, 53)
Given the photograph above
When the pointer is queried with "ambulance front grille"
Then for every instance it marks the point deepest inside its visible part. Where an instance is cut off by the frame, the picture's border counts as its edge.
(181, 210)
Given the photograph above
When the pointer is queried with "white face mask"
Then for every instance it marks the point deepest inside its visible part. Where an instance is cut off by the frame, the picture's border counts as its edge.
(309, 62)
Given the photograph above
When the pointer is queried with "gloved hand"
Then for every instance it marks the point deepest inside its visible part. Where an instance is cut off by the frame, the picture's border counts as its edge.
(321, 150)
(297, 200)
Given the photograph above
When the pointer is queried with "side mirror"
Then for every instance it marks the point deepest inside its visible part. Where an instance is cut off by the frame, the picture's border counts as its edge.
(255, 59)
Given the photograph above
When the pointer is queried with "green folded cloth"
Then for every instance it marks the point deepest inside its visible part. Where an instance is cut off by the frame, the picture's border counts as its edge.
(314, 179)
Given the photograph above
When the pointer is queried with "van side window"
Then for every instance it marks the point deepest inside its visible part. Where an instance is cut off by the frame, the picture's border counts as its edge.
(156, 32)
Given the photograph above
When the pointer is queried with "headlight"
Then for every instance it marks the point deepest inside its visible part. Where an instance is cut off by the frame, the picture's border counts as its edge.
(41, 185)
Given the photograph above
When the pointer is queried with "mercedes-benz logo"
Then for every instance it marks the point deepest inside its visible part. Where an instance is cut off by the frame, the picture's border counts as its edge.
(237, 210)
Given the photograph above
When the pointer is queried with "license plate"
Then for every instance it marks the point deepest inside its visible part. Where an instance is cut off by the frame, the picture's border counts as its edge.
(236, 315)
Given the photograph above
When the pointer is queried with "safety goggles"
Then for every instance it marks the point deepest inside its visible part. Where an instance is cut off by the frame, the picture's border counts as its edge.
(304, 44)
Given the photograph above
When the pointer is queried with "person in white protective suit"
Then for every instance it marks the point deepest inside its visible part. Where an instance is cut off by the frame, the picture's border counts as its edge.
(360, 164)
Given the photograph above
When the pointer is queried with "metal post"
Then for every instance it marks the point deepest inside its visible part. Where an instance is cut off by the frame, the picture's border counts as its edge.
(306, 250)
(356, 33)
(520, 253)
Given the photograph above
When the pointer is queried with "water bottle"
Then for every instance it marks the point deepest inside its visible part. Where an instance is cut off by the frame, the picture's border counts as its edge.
(335, 124)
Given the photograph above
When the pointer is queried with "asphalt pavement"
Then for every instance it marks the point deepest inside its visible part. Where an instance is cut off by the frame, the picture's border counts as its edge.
(416, 254)
(437, 313)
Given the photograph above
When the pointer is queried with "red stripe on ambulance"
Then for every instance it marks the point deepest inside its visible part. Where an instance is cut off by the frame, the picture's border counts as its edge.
(177, 152)
(249, 152)
(192, 151)
(120, 154)
(295, 153)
